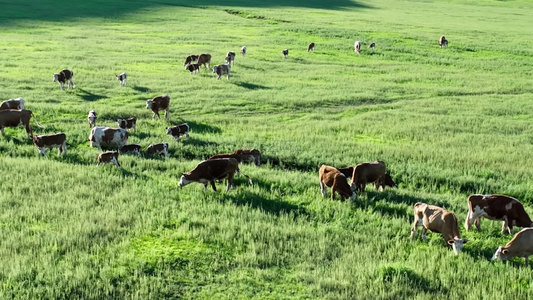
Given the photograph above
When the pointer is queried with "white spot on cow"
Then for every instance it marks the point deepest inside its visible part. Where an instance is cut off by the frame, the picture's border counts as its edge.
(183, 181)
(509, 206)
(497, 254)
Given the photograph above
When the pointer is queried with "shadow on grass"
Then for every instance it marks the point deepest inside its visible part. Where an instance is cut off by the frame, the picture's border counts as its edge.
(88, 96)
(141, 89)
(256, 201)
(251, 86)
(202, 127)
(198, 143)
(411, 282)
(289, 164)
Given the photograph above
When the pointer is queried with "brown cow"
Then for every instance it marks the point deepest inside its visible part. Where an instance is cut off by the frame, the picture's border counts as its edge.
(384, 181)
(14, 117)
(496, 207)
(107, 157)
(311, 47)
(333, 178)
(161, 148)
(346, 171)
(367, 172)
(128, 123)
(110, 137)
(208, 171)
(177, 131)
(190, 59)
(64, 76)
(521, 245)
(57, 140)
(17, 103)
(133, 148)
(443, 42)
(204, 59)
(157, 104)
(439, 220)
(242, 155)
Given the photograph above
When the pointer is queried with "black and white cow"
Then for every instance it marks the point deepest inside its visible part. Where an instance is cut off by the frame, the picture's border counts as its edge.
(193, 68)
(222, 70)
(63, 77)
(17, 103)
(131, 148)
(230, 58)
(243, 50)
(178, 130)
(122, 77)
(285, 53)
(155, 149)
(128, 123)
(91, 117)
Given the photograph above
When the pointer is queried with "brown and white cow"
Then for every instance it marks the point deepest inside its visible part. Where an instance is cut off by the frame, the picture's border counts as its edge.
(108, 157)
(443, 42)
(208, 171)
(131, 148)
(357, 47)
(242, 155)
(496, 207)
(91, 117)
(333, 178)
(63, 77)
(204, 59)
(128, 123)
(222, 70)
(14, 117)
(311, 47)
(58, 140)
(193, 68)
(110, 137)
(158, 149)
(17, 103)
(122, 78)
(285, 53)
(190, 59)
(521, 245)
(346, 171)
(384, 181)
(439, 220)
(157, 104)
(243, 50)
(230, 58)
(367, 172)
(177, 131)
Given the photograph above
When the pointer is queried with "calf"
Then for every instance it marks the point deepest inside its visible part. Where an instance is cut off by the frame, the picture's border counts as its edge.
(161, 148)
(346, 171)
(285, 53)
(383, 181)
(443, 42)
(193, 68)
(333, 178)
(190, 59)
(230, 58)
(57, 140)
(111, 137)
(372, 45)
(107, 157)
(221, 70)
(521, 245)
(91, 117)
(64, 76)
(439, 220)
(249, 155)
(157, 104)
(367, 172)
(14, 117)
(208, 171)
(357, 47)
(243, 50)
(204, 59)
(311, 47)
(122, 78)
(17, 103)
(131, 148)
(496, 207)
(128, 123)
(177, 131)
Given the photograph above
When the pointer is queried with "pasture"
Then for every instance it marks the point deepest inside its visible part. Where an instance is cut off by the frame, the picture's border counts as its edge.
(448, 122)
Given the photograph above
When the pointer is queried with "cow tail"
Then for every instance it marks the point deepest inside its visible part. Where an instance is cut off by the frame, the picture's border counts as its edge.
(35, 118)
(248, 177)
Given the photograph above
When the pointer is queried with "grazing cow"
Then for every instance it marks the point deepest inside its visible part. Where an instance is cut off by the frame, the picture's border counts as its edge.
(243, 50)
(57, 140)
(91, 117)
(439, 220)
(111, 137)
(372, 45)
(496, 207)
(221, 70)
(367, 172)
(204, 59)
(122, 77)
(346, 171)
(333, 178)
(190, 59)
(311, 47)
(443, 42)
(357, 47)
(131, 148)
(17, 103)
(230, 58)
(178, 130)
(521, 245)
(64, 76)
(128, 123)
(242, 155)
(161, 148)
(193, 68)
(285, 53)
(208, 171)
(14, 117)
(383, 181)
(107, 157)
(157, 104)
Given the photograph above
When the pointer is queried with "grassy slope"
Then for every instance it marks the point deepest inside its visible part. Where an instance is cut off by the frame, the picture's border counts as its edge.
(448, 122)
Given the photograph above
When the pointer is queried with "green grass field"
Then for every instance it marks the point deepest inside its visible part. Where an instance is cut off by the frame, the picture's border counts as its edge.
(448, 123)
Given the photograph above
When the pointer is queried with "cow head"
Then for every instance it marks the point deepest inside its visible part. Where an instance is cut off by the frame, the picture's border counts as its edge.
(501, 254)
(55, 77)
(149, 103)
(457, 245)
(169, 130)
(386, 180)
(183, 180)
(215, 68)
(121, 123)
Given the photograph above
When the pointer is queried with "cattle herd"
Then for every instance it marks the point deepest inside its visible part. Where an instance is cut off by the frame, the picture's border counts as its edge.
(219, 166)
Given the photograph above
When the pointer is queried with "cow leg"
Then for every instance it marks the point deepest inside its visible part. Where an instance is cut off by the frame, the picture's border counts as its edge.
(228, 76)
(477, 222)
(468, 220)
(213, 185)
(527, 260)
(2, 130)
(322, 189)
(166, 153)
(505, 225)
(230, 183)
(115, 161)
(423, 233)
(205, 186)
(414, 228)
(61, 85)
(42, 151)
(187, 134)
(166, 114)
(134, 127)
(333, 192)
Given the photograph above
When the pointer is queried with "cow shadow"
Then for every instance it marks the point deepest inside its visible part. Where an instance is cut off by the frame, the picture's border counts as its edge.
(251, 86)
(270, 206)
(289, 164)
(197, 142)
(140, 89)
(203, 128)
(88, 96)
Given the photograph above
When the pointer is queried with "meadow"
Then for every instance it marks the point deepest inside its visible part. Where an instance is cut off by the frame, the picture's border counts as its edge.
(448, 122)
